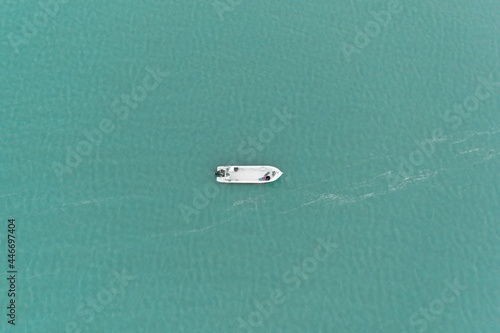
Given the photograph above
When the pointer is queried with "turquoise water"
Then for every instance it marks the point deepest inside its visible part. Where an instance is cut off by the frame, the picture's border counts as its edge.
(386, 218)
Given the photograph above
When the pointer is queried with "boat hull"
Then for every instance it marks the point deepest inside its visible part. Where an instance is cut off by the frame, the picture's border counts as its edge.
(247, 174)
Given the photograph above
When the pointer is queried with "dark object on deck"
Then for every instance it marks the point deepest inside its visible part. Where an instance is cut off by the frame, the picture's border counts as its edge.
(235, 169)
(220, 173)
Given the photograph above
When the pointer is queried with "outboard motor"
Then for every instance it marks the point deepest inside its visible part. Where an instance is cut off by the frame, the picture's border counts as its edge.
(220, 173)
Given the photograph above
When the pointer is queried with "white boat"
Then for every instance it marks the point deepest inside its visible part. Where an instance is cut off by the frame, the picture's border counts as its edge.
(247, 174)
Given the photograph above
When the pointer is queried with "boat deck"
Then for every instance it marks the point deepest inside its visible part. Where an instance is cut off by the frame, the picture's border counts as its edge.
(248, 174)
